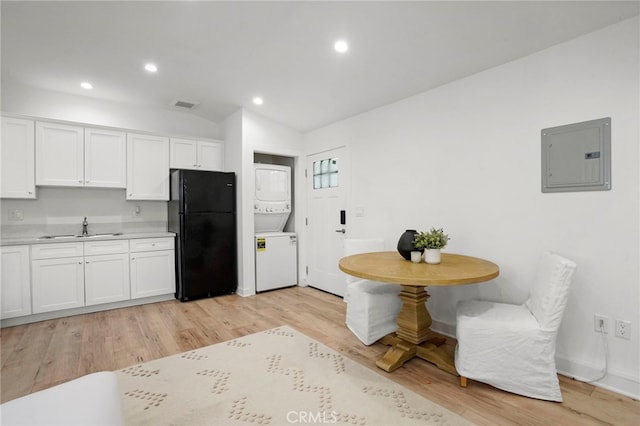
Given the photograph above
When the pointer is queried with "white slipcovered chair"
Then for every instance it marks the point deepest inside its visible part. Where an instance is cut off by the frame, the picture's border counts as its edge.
(372, 307)
(512, 347)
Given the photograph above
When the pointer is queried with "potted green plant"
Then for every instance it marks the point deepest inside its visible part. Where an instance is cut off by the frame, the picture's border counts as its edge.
(431, 241)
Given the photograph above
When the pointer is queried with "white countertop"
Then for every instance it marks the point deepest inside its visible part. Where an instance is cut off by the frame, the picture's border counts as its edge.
(14, 241)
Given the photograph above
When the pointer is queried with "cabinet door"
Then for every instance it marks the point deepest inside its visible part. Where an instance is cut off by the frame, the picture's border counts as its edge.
(106, 278)
(183, 154)
(17, 164)
(105, 158)
(16, 286)
(147, 167)
(152, 273)
(57, 284)
(59, 154)
(210, 155)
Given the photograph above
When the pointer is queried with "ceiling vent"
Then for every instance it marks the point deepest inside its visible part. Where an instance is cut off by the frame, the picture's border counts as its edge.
(183, 103)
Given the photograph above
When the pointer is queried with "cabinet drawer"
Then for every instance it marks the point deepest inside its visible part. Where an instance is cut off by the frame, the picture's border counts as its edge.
(106, 247)
(56, 250)
(151, 244)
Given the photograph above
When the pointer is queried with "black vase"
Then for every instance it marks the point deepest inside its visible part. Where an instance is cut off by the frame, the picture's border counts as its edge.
(405, 243)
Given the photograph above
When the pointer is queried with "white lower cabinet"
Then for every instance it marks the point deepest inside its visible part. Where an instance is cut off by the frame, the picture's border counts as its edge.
(72, 275)
(153, 271)
(57, 284)
(106, 278)
(16, 282)
(106, 272)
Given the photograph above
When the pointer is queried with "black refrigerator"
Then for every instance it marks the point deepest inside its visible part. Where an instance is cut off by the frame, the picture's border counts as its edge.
(202, 213)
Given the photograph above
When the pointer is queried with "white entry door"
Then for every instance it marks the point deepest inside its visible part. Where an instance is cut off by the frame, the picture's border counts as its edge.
(327, 184)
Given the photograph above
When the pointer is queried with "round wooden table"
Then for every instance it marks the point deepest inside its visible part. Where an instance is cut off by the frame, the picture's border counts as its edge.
(414, 336)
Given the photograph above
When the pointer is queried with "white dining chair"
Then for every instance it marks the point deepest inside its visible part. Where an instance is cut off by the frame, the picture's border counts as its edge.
(512, 347)
(372, 307)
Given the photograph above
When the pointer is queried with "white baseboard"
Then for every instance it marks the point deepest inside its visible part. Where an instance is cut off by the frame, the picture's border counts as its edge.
(614, 381)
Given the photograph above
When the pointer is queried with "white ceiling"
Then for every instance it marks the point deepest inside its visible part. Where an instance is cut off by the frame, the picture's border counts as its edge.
(222, 54)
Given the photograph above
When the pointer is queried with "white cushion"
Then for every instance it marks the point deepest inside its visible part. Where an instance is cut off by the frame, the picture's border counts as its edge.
(548, 295)
(93, 399)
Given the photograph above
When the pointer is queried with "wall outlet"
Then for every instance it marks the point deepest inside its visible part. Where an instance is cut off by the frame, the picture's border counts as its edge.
(16, 215)
(623, 329)
(601, 322)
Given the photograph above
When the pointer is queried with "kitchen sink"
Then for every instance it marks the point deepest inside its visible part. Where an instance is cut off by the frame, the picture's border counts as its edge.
(68, 237)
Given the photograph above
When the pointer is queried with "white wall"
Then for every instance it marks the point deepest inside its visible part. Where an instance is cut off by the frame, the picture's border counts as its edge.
(256, 134)
(34, 102)
(466, 157)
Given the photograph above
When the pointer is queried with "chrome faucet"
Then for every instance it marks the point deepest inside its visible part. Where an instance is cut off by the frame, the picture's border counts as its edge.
(85, 224)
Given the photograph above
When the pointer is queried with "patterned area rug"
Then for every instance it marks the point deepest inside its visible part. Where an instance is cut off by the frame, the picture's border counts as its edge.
(276, 377)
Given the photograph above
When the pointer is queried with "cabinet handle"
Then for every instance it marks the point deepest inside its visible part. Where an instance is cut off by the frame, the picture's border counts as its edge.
(79, 263)
(80, 180)
(133, 258)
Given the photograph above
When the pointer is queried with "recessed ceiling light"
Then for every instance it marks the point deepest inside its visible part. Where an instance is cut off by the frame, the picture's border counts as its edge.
(341, 46)
(86, 85)
(258, 100)
(151, 67)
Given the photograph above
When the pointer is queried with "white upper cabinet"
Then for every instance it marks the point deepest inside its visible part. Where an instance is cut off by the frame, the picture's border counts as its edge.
(147, 167)
(105, 158)
(197, 155)
(183, 154)
(59, 154)
(76, 156)
(211, 155)
(17, 161)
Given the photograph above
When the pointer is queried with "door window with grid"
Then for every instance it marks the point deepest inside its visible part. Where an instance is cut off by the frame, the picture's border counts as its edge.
(325, 173)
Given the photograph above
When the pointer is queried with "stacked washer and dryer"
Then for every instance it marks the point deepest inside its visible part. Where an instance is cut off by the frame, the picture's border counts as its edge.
(276, 251)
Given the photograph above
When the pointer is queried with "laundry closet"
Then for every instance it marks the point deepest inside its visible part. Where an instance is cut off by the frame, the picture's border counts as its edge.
(275, 242)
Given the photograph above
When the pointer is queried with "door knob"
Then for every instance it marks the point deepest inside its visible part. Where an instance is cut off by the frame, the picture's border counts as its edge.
(344, 231)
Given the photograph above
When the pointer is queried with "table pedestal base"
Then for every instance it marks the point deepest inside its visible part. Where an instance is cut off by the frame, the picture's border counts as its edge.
(402, 351)
(414, 338)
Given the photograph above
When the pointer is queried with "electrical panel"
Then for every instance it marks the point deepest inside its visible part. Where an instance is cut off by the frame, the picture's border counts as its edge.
(577, 157)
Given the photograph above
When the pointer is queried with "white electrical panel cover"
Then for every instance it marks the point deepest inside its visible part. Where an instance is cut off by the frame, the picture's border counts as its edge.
(577, 157)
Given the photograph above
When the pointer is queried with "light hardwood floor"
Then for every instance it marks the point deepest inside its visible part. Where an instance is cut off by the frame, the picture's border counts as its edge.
(39, 355)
